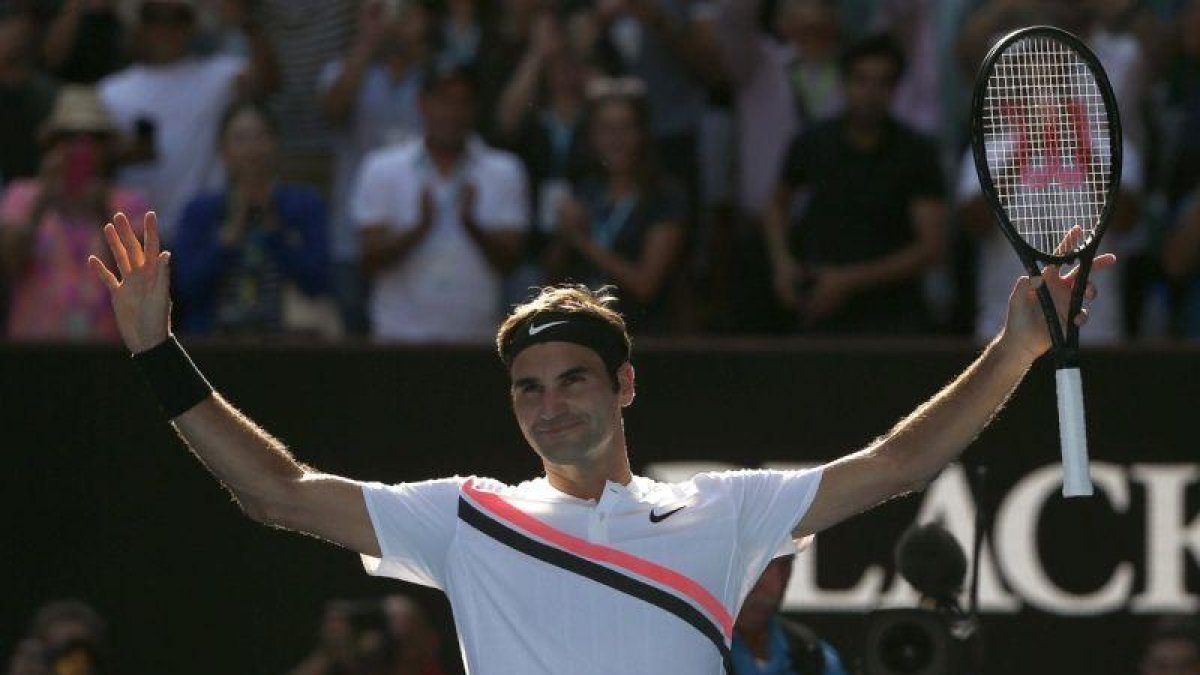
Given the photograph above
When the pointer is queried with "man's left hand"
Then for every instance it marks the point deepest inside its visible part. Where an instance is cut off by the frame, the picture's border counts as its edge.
(1025, 328)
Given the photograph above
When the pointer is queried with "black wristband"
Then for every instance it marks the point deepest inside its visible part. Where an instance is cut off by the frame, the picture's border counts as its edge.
(172, 376)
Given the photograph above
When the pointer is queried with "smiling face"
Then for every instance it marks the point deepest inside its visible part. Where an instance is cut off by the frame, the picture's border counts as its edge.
(566, 404)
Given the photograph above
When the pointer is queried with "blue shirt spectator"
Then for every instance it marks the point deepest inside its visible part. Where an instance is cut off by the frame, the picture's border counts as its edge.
(239, 286)
(242, 253)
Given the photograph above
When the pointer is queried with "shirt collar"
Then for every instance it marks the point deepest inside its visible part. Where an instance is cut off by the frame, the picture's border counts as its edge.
(636, 490)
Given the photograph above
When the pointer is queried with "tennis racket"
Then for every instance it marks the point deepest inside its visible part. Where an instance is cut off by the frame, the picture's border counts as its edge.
(1047, 142)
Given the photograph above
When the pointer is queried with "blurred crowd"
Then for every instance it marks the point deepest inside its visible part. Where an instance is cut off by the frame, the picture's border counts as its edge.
(407, 169)
(394, 635)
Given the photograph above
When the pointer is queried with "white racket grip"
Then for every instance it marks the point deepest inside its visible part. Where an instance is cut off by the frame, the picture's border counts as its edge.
(1072, 432)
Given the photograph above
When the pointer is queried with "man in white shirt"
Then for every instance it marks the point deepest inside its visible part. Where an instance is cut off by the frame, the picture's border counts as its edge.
(441, 219)
(589, 569)
(174, 101)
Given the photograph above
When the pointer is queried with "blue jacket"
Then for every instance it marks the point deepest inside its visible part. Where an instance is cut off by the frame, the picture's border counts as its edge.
(199, 260)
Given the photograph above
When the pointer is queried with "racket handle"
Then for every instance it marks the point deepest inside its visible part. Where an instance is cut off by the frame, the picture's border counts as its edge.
(1072, 432)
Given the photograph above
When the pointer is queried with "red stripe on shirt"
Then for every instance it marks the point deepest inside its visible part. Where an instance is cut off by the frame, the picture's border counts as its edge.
(500, 508)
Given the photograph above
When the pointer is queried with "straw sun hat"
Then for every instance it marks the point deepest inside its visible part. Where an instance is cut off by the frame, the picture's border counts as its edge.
(77, 109)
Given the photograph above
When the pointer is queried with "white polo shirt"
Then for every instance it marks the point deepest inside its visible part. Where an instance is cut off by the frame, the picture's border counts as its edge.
(647, 580)
(444, 289)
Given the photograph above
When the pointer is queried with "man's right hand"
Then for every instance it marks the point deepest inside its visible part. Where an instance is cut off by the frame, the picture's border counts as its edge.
(141, 298)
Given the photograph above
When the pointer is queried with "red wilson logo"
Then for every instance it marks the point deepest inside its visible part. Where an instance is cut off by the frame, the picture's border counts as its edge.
(1047, 143)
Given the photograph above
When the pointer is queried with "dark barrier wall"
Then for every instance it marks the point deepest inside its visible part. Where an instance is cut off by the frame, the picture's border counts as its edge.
(102, 501)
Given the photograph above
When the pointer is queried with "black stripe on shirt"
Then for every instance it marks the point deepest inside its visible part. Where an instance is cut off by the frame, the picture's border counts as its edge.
(596, 572)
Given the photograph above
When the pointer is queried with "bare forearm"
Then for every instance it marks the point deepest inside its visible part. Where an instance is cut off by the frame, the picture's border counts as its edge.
(254, 466)
(338, 103)
(385, 249)
(907, 263)
(775, 227)
(934, 435)
(502, 250)
(518, 96)
(265, 75)
(642, 279)
(60, 38)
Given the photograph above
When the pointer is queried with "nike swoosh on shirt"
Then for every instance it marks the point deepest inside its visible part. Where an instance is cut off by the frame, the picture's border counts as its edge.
(534, 330)
(655, 518)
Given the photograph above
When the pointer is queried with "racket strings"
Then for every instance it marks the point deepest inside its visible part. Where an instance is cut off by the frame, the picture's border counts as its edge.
(1048, 143)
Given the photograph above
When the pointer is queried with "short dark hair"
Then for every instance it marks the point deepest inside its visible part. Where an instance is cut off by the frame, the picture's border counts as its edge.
(599, 305)
(240, 107)
(879, 45)
(69, 610)
(439, 73)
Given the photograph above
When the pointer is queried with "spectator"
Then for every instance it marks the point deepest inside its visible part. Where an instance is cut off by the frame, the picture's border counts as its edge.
(1181, 101)
(175, 101)
(766, 643)
(624, 225)
(781, 85)
(991, 19)
(874, 219)
(306, 36)
(73, 636)
(504, 44)
(85, 41)
(415, 642)
(1181, 265)
(1173, 649)
(654, 41)
(541, 119)
(50, 224)
(241, 254)
(371, 99)
(28, 658)
(26, 96)
(997, 261)
(442, 220)
(929, 96)
(461, 32)
(371, 637)
(351, 641)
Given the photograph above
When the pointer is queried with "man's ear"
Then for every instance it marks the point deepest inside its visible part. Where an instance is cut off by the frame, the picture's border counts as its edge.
(626, 390)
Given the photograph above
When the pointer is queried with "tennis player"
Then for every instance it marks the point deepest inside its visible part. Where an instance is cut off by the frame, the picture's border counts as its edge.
(588, 569)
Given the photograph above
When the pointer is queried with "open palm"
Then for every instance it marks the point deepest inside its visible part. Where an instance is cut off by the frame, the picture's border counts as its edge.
(141, 296)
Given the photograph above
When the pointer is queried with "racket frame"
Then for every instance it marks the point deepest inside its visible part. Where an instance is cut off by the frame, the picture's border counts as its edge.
(1065, 346)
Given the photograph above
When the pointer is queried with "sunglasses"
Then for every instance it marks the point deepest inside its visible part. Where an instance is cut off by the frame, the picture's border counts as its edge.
(163, 14)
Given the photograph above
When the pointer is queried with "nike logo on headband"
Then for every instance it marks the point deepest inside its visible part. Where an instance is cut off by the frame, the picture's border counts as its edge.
(534, 330)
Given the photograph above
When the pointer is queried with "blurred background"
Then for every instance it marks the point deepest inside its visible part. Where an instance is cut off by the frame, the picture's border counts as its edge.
(354, 193)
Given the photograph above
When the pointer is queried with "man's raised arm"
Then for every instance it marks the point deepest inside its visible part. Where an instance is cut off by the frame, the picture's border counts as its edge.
(919, 446)
(269, 485)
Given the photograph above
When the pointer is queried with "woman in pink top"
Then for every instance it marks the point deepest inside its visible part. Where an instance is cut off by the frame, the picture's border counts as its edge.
(50, 224)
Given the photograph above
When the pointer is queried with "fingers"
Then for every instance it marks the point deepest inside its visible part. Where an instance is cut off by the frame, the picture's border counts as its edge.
(133, 247)
(1102, 261)
(117, 248)
(102, 271)
(1068, 241)
(150, 235)
(1082, 317)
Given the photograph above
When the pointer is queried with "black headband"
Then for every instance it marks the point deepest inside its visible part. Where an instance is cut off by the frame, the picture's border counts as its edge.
(596, 334)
